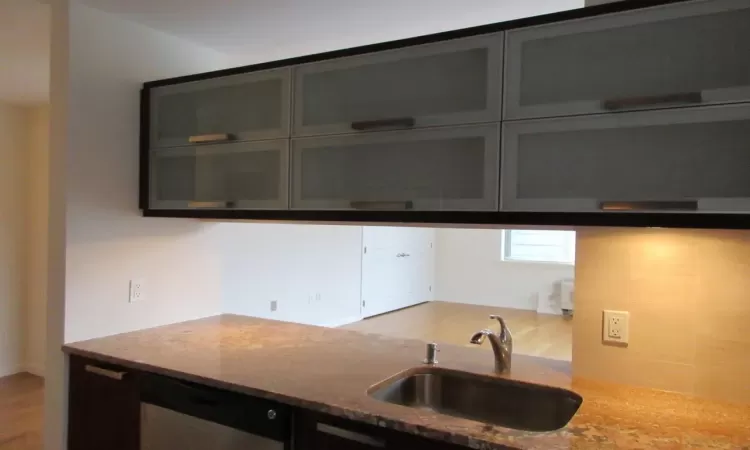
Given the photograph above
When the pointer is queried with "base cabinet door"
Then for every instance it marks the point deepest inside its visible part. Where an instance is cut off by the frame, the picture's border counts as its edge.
(315, 431)
(688, 159)
(103, 407)
(442, 169)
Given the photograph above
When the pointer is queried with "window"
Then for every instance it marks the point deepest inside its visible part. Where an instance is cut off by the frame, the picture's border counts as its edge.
(544, 246)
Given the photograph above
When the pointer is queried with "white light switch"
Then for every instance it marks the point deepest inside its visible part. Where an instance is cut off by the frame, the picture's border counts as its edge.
(616, 327)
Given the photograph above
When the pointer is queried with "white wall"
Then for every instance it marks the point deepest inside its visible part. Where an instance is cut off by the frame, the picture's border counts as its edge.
(12, 236)
(98, 240)
(326, 25)
(108, 242)
(37, 204)
(312, 271)
(469, 269)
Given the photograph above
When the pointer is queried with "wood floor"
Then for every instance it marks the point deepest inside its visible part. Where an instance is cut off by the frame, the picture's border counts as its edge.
(544, 335)
(21, 409)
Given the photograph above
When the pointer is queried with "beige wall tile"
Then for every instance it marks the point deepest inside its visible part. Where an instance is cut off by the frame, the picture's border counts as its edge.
(688, 294)
(619, 366)
(727, 382)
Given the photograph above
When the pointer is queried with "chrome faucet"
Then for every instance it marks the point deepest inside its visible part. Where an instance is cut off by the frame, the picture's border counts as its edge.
(502, 344)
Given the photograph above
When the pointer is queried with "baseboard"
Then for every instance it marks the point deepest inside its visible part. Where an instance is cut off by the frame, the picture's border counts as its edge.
(341, 322)
(34, 369)
(398, 309)
(12, 370)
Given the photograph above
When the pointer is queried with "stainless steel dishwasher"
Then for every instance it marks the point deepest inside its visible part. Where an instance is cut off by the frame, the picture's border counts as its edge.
(187, 416)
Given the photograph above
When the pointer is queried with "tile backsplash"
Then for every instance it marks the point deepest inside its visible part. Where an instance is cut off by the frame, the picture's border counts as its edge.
(688, 293)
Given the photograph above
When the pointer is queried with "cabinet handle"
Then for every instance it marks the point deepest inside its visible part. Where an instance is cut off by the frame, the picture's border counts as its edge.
(402, 255)
(674, 205)
(383, 205)
(350, 435)
(115, 375)
(634, 102)
(205, 138)
(210, 204)
(398, 122)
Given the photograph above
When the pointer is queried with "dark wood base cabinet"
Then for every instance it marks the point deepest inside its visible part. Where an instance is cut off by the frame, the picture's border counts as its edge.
(313, 431)
(104, 412)
(103, 406)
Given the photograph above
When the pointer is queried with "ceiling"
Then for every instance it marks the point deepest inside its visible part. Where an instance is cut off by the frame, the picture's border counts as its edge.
(248, 30)
(261, 30)
(24, 52)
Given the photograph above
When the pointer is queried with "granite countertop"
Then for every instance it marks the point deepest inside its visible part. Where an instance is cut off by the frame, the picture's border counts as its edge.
(329, 370)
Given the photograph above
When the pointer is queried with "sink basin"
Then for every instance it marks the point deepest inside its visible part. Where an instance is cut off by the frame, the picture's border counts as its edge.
(510, 404)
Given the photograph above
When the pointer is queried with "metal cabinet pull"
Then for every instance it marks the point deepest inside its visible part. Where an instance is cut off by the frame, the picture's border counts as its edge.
(634, 102)
(211, 204)
(350, 435)
(115, 375)
(382, 205)
(205, 138)
(398, 122)
(402, 255)
(672, 205)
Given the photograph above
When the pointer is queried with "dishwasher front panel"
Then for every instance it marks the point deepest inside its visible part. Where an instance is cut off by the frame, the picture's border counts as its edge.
(164, 429)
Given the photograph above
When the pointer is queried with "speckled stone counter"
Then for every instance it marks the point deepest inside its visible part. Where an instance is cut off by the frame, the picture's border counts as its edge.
(330, 370)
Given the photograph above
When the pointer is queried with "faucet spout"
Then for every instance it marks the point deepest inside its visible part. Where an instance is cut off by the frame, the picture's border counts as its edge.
(502, 344)
(478, 337)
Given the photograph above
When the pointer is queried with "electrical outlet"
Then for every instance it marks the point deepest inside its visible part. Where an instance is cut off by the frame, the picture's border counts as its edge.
(616, 327)
(136, 291)
(274, 305)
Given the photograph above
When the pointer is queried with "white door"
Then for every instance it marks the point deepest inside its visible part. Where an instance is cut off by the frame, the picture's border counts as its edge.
(397, 268)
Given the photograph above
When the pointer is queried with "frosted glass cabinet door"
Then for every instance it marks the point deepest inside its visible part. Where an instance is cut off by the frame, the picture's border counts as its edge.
(674, 159)
(451, 82)
(242, 175)
(673, 55)
(250, 106)
(440, 169)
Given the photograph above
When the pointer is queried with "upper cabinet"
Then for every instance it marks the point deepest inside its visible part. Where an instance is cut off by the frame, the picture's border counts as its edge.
(687, 159)
(451, 82)
(240, 175)
(645, 108)
(243, 107)
(688, 54)
(440, 169)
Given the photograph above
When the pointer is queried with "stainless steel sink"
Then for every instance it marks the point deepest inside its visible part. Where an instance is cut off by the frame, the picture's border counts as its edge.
(498, 401)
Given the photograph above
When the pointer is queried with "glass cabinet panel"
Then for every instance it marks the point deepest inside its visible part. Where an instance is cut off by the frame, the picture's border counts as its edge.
(251, 175)
(431, 170)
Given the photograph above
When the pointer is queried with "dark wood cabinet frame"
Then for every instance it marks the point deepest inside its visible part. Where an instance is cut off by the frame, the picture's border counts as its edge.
(509, 218)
